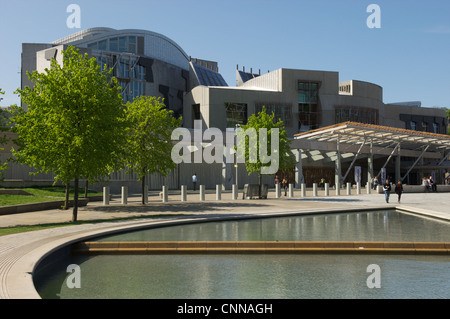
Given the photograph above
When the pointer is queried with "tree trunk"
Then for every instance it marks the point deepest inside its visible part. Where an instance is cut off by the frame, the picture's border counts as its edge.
(75, 201)
(142, 189)
(66, 200)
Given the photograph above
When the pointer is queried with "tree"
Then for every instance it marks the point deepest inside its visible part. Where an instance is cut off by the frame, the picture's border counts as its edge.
(149, 144)
(256, 138)
(74, 122)
(3, 139)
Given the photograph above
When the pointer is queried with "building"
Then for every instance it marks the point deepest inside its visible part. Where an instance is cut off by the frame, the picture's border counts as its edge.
(148, 63)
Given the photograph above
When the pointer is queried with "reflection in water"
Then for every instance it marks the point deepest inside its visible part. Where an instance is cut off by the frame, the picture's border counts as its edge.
(364, 226)
(264, 276)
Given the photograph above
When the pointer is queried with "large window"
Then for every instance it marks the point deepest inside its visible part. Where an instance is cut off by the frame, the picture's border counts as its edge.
(118, 44)
(236, 114)
(356, 114)
(308, 105)
(282, 111)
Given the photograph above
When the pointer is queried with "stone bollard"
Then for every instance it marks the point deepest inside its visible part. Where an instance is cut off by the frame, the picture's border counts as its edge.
(218, 192)
(291, 190)
(314, 189)
(277, 190)
(183, 193)
(327, 189)
(303, 190)
(106, 195)
(233, 192)
(338, 189)
(165, 195)
(202, 193)
(349, 188)
(369, 188)
(124, 195)
(358, 188)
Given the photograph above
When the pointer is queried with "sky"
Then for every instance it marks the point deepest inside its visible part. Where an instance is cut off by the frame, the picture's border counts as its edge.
(408, 55)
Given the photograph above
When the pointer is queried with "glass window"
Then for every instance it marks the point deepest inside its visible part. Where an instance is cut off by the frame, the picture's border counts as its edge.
(123, 44)
(435, 128)
(236, 114)
(93, 46)
(103, 45)
(114, 44)
(413, 125)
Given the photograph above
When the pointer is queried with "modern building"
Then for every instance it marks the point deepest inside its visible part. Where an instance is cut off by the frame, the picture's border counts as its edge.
(148, 63)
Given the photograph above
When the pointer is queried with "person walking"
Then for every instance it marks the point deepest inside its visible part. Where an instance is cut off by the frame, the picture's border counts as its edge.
(375, 183)
(194, 180)
(399, 190)
(284, 184)
(387, 190)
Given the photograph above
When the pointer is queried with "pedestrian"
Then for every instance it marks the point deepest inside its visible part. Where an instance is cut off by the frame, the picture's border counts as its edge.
(375, 183)
(284, 184)
(277, 180)
(399, 190)
(194, 180)
(432, 184)
(322, 183)
(387, 190)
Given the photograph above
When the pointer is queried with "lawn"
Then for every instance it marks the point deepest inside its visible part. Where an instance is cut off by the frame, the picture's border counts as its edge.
(41, 194)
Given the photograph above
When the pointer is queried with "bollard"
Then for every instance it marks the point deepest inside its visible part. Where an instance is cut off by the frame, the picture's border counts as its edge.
(277, 190)
(291, 190)
(349, 188)
(315, 189)
(218, 192)
(233, 192)
(327, 189)
(124, 195)
(358, 188)
(183, 193)
(145, 194)
(369, 188)
(106, 195)
(165, 196)
(338, 189)
(303, 190)
(202, 193)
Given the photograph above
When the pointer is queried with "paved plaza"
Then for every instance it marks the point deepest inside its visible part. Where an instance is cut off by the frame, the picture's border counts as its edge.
(19, 253)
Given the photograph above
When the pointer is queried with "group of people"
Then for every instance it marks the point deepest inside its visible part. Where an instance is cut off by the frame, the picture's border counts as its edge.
(283, 183)
(387, 188)
(429, 184)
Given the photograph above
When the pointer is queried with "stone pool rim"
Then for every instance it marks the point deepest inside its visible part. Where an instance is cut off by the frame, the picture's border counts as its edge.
(16, 279)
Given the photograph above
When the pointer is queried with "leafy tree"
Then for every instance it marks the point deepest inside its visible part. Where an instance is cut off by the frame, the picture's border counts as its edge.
(149, 144)
(74, 122)
(260, 135)
(3, 139)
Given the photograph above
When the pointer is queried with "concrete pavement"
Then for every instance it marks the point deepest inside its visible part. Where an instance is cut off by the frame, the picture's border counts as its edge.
(21, 253)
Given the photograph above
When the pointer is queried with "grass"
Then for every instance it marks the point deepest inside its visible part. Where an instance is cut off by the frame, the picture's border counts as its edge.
(41, 194)
(22, 229)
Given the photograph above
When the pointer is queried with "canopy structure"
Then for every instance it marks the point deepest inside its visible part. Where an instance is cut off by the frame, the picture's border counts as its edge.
(350, 140)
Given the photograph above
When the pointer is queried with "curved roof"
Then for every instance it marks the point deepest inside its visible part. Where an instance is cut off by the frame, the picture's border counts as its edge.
(156, 45)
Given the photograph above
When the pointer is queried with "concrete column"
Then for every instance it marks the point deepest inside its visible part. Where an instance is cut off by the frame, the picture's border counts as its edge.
(338, 167)
(303, 189)
(233, 192)
(315, 189)
(299, 179)
(369, 187)
(398, 175)
(338, 189)
(202, 193)
(124, 195)
(218, 192)
(370, 165)
(349, 188)
(183, 193)
(277, 190)
(358, 188)
(327, 189)
(291, 190)
(106, 195)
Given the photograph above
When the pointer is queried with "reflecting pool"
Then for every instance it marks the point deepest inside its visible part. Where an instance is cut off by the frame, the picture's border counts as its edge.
(263, 276)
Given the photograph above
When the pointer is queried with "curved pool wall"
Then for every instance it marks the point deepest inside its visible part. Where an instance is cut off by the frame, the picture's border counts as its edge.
(232, 276)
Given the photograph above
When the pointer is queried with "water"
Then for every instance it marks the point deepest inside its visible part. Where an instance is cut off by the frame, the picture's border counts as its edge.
(264, 276)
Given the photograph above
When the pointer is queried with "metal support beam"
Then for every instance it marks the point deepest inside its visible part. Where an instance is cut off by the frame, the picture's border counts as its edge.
(389, 158)
(354, 159)
(415, 163)
(444, 158)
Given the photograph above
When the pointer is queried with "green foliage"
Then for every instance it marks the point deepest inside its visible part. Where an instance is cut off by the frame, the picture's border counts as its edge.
(149, 144)
(285, 156)
(74, 121)
(3, 139)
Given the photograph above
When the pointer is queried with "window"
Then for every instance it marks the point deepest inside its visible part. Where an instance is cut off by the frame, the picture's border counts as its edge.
(413, 125)
(356, 114)
(236, 114)
(103, 45)
(435, 128)
(114, 44)
(282, 111)
(308, 105)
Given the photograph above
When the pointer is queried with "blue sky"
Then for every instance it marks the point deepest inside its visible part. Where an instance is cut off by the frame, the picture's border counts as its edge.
(409, 56)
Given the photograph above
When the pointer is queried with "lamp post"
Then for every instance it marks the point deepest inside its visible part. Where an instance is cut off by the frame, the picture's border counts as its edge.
(236, 159)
